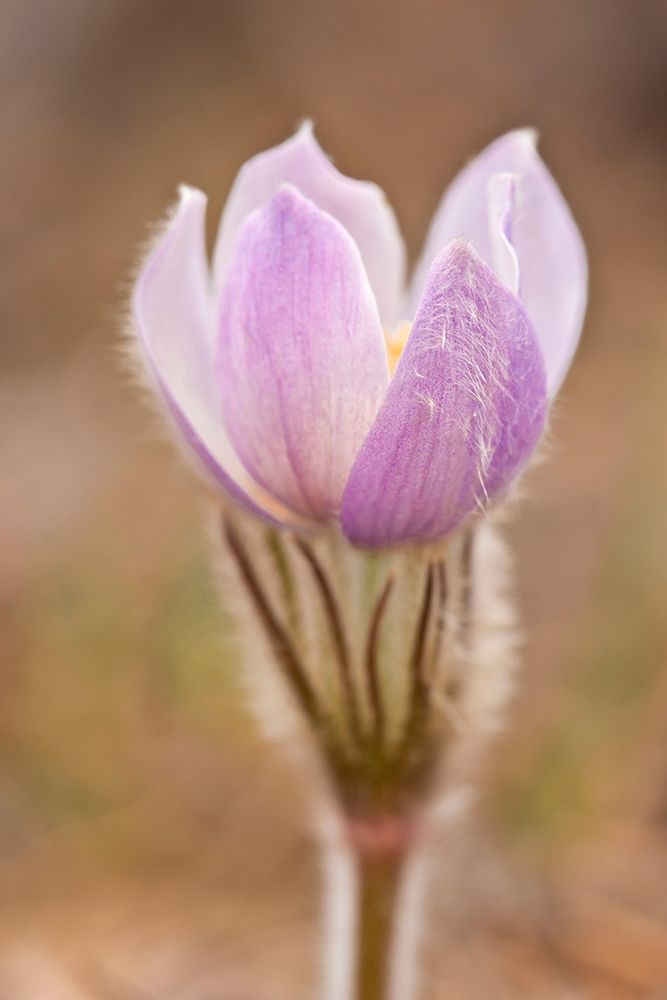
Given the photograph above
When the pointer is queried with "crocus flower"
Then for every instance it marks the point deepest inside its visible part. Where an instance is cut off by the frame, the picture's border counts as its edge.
(315, 389)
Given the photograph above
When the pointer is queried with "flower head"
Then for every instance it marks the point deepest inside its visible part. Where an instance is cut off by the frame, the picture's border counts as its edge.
(315, 389)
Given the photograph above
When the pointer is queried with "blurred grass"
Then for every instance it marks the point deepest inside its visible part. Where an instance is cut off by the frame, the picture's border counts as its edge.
(107, 660)
(582, 772)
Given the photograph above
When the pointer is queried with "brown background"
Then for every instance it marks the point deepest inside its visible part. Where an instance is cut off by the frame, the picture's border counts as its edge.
(150, 844)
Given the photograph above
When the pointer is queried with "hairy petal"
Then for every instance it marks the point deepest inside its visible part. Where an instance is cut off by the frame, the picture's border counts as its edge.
(551, 259)
(360, 206)
(461, 416)
(173, 317)
(301, 361)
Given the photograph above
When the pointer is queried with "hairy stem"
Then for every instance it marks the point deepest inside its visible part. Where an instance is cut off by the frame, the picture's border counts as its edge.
(373, 899)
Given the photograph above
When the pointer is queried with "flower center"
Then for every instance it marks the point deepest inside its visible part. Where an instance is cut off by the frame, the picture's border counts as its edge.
(396, 340)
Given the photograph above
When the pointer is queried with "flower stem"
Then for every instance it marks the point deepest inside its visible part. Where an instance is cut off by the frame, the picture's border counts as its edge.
(379, 882)
(373, 894)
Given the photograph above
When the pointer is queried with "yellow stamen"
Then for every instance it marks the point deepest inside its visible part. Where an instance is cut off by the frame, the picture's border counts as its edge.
(396, 340)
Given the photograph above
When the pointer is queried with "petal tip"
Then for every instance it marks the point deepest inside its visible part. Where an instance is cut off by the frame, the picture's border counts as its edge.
(306, 131)
(303, 142)
(524, 138)
(288, 201)
(188, 192)
(458, 251)
(528, 134)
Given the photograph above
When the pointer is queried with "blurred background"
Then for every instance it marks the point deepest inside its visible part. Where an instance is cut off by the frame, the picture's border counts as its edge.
(151, 845)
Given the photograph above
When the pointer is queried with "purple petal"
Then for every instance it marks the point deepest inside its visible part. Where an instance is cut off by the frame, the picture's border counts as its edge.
(461, 416)
(173, 316)
(302, 361)
(359, 205)
(549, 250)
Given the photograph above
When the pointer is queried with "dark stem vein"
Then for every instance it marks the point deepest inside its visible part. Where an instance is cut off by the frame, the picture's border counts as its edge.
(283, 648)
(372, 668)
(419, 681)
(334, 618)
(440, 621)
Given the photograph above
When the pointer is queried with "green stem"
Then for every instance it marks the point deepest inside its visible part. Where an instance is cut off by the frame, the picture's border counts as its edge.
(378, 894)
(373, 894)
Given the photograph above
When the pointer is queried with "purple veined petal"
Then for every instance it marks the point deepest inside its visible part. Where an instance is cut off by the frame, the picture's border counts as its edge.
(462, 414)
(172, 308)
(360, 206)
(302, 363)
(549, 249)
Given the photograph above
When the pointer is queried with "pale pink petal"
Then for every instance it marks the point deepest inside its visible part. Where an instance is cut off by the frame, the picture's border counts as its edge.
(302, 362)
(501, 195)
(549, 251)
(172, 309)
(360, 206)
